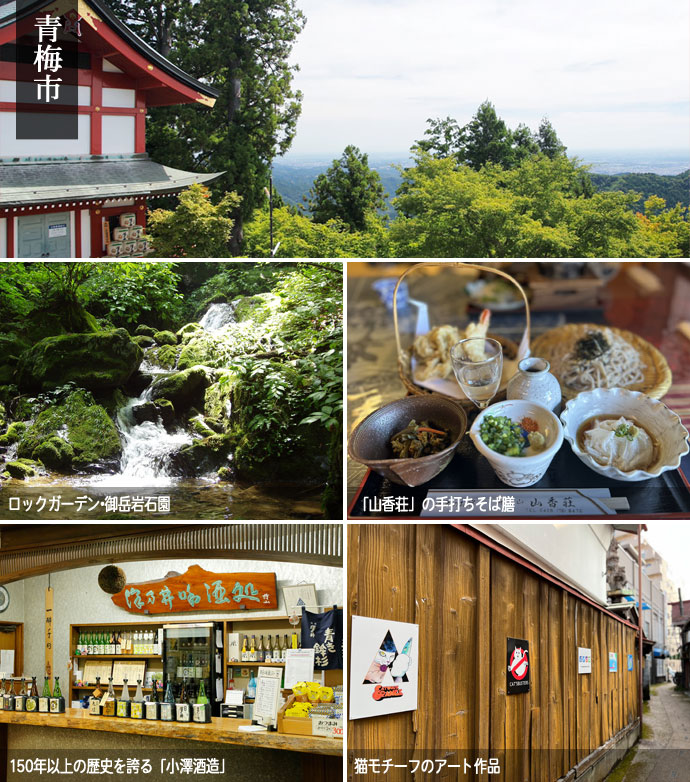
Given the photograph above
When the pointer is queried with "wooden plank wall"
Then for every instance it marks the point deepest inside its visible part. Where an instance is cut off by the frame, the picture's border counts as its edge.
(467, 599)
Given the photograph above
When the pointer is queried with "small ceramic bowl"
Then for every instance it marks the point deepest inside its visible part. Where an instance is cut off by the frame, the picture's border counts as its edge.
(370, 444)
(661, 423)
(519, 471)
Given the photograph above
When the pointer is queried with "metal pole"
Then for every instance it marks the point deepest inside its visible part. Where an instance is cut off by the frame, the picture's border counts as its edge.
(639, 614)
(270, 207)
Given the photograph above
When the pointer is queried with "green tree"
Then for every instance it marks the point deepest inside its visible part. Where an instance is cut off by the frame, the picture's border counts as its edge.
(442, 138)
(487, 139)
(300, 237)
(243, 50)
(532, 210)
(547, 140)
(349, 191)
(196, 228)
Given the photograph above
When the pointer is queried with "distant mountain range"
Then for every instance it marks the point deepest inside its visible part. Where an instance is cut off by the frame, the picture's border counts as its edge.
(293, 178)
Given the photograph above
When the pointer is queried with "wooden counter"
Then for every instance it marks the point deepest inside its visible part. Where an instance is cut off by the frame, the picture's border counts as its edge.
(215, 731)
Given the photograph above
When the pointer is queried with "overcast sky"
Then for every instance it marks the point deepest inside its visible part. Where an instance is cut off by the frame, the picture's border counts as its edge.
(671, 539)
(610, 74)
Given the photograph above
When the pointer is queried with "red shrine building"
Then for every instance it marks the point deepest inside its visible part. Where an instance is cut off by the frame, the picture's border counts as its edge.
(85, 195)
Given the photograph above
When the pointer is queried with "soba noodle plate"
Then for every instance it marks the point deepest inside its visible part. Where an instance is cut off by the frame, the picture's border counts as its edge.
(585, 356)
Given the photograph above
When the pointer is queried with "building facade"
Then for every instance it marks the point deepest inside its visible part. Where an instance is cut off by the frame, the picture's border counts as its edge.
(86, 195)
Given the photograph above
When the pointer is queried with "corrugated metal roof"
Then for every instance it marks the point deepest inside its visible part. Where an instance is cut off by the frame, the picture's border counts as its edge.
(39, 182)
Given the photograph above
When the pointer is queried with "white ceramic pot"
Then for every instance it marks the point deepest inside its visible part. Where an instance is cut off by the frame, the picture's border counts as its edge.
(519, 471)
(534, 382)
(662, 424)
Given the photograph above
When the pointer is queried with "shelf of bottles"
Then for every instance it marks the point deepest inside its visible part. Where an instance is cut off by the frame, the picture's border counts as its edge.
(107, 642)
(28, 699)
(267, 652)
(189, 663)
(184, 706)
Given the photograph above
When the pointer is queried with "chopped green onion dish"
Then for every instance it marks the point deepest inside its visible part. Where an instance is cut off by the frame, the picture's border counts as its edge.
(503, 435)
(630, 432)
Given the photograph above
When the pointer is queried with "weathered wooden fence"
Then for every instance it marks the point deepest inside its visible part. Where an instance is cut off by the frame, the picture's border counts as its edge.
(467, 599)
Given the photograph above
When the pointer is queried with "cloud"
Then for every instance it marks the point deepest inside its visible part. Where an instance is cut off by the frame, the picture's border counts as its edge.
(372, 72)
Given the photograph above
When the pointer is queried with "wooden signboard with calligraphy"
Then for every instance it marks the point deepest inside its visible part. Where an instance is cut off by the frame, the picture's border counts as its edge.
(49, 633)
(200, 590)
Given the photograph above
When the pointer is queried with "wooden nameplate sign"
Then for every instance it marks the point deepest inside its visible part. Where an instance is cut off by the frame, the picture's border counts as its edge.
(201, 591)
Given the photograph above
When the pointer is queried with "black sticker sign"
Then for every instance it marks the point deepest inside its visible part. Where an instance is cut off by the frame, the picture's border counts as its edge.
(518, 666)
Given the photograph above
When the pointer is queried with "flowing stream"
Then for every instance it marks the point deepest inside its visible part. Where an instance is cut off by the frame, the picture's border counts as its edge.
(145, 470)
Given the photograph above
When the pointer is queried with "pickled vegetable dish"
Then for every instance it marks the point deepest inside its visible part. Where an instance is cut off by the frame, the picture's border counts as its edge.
(509, 438)
(417, 440)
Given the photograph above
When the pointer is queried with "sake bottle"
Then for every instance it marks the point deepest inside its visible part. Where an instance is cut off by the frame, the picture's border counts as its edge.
(182, 710)
(32, 700)
(110, 703)
(152, 708)
(8, 696)
(269, 651)
(252, 650)
(20, 700)
(202, 707)
(244, 656)
(286, 646)
(260, 652)
(44, 700)
(95, 699)
(167, 710)
(118, 642)
(57, 702)
(124, 702)
(251, 687)
(137, 708)
(2, 695)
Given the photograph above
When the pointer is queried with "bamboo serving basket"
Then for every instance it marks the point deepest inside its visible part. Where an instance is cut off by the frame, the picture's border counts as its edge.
(510, 349)
(554, 344)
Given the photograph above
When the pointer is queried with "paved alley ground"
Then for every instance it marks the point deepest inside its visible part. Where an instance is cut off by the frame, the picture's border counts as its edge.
(666, 755)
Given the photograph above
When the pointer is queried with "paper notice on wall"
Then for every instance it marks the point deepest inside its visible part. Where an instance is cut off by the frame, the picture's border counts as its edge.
(299, 666)
(7, 662)
(267, 695)
(57, 229)
(219, 639)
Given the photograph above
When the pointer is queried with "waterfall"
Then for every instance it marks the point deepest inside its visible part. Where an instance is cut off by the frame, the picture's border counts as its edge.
(146, 448)
(217, 316)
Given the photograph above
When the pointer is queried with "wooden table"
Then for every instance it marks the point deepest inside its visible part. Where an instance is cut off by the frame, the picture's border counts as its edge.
(215, 731)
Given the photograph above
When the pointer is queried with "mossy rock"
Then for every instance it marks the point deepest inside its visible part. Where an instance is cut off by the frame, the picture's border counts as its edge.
(20, 470)
(144, 341)
(55, 454)
(106, 359)
(200, 427)
(166, 410)
(165, 356)
(188, 331)
(225, 474)
(165, 338)
(202, 348)
(257, 308)
(83, 424)
(202, 456)
(145, 331)
(218, 401)
(3, 415)
(185, 388)
(14, 433)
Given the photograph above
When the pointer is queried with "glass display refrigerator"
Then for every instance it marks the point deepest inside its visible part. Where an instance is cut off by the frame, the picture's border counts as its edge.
(190, 652)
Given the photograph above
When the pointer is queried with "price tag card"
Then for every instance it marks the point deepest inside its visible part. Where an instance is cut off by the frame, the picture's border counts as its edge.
(327, 726)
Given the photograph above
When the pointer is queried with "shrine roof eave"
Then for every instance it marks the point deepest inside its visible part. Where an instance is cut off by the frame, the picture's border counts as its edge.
(33, 183)
(99, 18)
